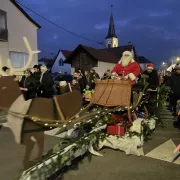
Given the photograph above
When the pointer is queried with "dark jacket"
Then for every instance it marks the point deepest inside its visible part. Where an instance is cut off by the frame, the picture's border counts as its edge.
(174, 83)
(75, 87)
(92, 79)
(153, 79)
(82, 83)
(31, 85)
(47, 85)
(37, 76)
(64, 89)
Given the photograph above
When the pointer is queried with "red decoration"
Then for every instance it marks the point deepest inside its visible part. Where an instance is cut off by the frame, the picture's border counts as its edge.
(117, 118)
(116, 130)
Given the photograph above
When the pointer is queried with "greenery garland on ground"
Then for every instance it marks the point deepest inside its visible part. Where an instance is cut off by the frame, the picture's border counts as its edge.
(161, 103)
(79, 146)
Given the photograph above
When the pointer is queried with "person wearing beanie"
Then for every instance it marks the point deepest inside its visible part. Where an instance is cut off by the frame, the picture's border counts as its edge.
(127, 67)
(152, 74)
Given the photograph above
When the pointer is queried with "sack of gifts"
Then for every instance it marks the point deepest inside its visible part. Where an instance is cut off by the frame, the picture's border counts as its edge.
(118, 129)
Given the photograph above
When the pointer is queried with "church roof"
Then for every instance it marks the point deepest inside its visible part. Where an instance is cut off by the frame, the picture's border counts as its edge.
(111, 31)
(111, 55)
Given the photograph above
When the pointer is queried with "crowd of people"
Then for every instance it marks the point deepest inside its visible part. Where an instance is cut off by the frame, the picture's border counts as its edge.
(40, 83)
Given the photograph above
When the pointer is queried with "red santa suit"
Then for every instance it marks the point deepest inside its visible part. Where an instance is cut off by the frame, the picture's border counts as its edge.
(127, 67)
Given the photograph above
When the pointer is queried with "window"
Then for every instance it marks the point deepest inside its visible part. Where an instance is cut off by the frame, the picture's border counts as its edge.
(3, 23)
(18, 59)
(61, 63)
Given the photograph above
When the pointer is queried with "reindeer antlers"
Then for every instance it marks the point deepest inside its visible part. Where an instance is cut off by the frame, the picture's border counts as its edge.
(31, 53)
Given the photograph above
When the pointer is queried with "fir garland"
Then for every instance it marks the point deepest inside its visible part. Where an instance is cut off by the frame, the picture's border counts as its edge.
(78, 146)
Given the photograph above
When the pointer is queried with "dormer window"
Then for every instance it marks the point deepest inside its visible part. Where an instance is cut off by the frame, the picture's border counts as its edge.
(61, 62)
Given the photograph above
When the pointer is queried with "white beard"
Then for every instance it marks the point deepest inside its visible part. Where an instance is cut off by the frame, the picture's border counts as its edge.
(125, 60)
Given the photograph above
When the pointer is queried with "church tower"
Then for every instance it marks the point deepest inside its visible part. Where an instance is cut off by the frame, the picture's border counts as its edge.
(111, 39)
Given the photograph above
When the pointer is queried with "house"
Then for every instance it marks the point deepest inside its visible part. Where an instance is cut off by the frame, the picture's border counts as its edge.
(84, 57)
(15, 24)
(143, 62)
(59, 65)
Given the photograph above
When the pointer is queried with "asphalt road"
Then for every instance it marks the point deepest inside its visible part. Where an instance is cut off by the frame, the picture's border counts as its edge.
(112, 166)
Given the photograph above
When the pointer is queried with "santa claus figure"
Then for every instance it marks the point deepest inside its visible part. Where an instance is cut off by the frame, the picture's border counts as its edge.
(127, 67)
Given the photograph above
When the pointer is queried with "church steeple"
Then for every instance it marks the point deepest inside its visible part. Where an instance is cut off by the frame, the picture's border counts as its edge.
(111, 31)
(111, 39)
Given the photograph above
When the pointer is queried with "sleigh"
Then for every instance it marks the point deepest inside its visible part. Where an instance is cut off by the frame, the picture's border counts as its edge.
(43, 114)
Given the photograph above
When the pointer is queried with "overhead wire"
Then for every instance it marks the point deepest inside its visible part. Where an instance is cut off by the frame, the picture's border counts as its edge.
(53, 23)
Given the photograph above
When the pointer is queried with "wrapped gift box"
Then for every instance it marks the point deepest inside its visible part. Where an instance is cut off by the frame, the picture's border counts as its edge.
(118, 129)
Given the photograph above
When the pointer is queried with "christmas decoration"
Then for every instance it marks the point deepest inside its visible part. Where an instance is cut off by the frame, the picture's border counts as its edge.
(94, 136)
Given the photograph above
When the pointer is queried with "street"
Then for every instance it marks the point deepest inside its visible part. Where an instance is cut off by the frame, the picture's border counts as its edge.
(113, 165)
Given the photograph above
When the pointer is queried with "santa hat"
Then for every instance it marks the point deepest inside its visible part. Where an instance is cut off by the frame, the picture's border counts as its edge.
(150, 66)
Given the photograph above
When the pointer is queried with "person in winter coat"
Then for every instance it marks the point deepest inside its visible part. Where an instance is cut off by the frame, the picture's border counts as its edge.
(107, 75)
(174, 84)
(37, 75)
(63, 87)
(46, 83)
(28, 85)
(92, 78)
(152, 74)
(75, 85)
(81, 80)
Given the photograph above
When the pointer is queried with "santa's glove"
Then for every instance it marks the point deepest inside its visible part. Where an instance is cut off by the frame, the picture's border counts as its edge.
(114, 75)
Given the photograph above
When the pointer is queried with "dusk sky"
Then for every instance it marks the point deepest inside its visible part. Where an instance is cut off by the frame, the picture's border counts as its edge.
(152, 26)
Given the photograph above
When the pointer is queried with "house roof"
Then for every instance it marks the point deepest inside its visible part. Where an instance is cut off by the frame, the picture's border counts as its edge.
(98, 54)
(118, 51)
(25, 14)
(66, 53)
(143, 60)
(111, 55)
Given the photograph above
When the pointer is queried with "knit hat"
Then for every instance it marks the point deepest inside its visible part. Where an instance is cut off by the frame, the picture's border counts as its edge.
(5, 68)
(150, 66)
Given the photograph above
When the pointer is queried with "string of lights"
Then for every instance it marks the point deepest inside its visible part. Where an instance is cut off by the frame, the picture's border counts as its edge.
(53, 23)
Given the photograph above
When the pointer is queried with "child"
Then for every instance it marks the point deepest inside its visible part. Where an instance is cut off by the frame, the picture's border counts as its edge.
(88, 94)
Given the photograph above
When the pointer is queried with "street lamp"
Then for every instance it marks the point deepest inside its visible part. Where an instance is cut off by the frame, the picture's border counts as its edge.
(178, 58)
(164, 63)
